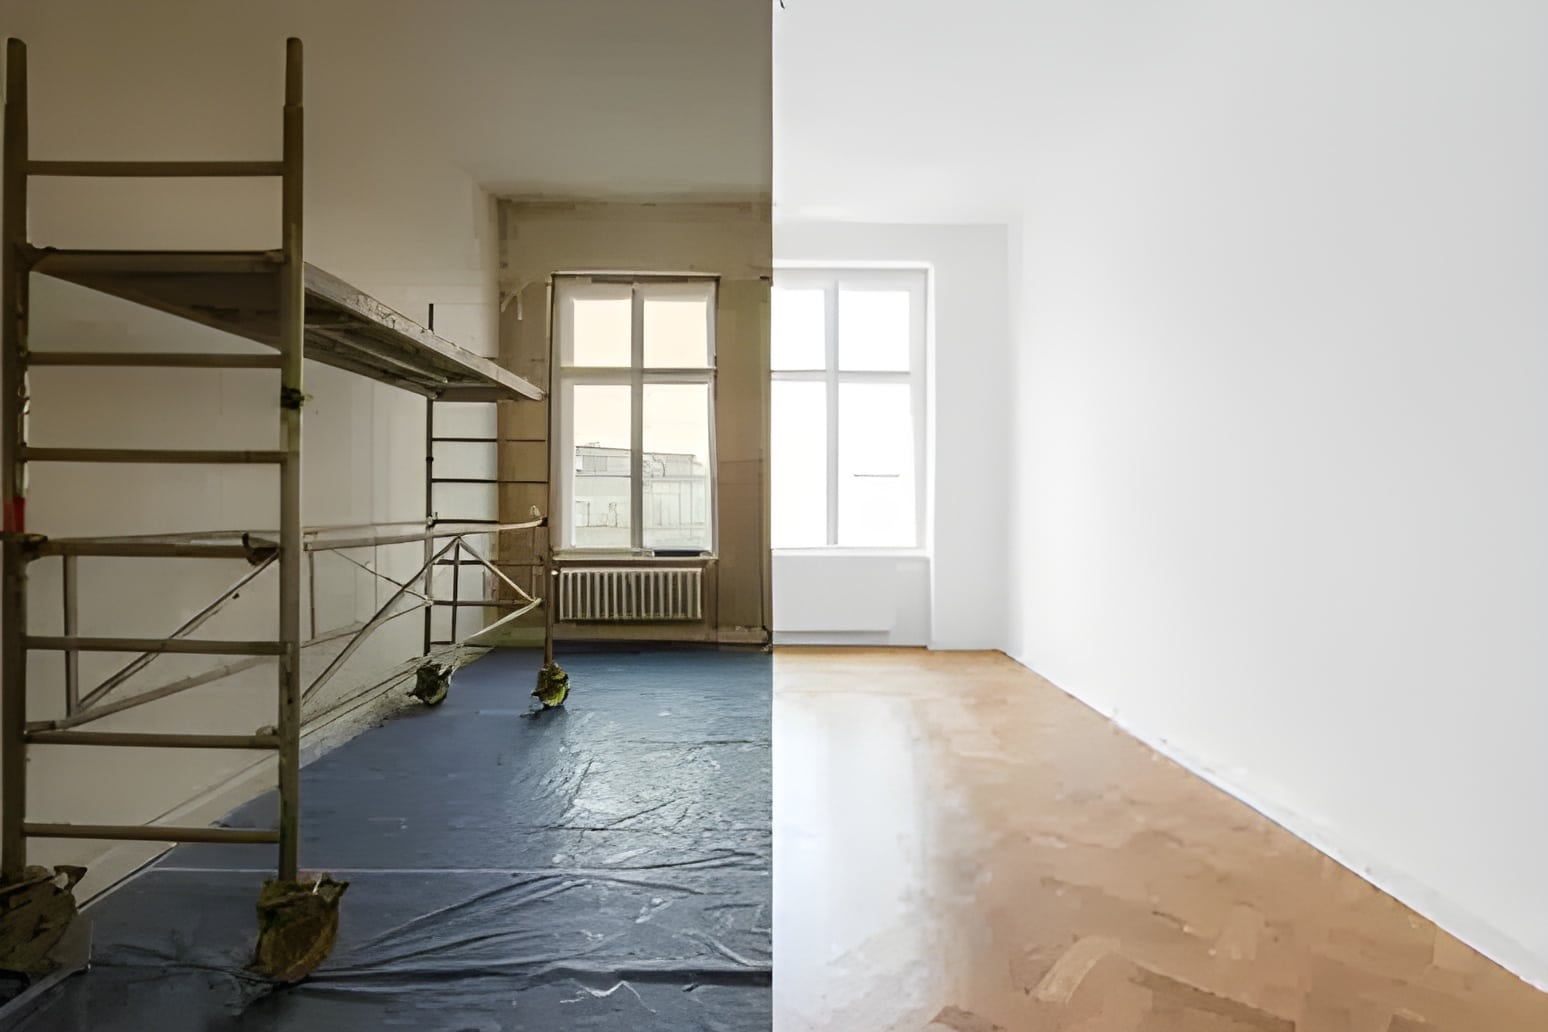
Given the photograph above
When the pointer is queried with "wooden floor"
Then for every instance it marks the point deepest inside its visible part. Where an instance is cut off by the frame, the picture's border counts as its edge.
(960, 846)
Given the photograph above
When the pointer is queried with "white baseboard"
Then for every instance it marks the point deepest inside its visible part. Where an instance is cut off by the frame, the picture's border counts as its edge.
(872, 639)
(1446, 913)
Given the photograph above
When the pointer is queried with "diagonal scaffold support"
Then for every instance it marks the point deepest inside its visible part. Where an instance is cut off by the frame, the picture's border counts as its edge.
(381, 616)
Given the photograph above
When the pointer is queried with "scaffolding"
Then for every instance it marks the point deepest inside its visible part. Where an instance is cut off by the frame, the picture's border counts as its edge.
(273, 298)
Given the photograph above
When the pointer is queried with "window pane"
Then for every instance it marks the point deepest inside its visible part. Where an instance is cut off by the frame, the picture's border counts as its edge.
(676, 333)
(600, 421)
(876, 466)
(600, 332)
(799, 464)
(798, 328)
(677, 465)
(874, 330)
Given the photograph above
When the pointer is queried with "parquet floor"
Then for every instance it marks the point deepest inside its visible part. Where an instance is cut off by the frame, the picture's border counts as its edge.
(960, 846)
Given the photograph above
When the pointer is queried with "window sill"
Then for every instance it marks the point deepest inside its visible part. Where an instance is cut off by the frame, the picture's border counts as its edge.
(841, 552)
(602, 556)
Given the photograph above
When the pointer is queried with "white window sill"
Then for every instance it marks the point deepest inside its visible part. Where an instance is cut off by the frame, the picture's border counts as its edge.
(605, 556)
(840, 552)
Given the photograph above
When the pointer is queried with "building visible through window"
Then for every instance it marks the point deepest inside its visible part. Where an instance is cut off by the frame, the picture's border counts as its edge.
(676, 494)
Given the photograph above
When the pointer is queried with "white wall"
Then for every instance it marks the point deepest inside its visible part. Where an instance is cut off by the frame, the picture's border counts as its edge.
(954, 597)
(400, 222)
(1281, 427)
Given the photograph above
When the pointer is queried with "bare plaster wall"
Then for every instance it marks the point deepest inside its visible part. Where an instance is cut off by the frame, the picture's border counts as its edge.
(730, 240)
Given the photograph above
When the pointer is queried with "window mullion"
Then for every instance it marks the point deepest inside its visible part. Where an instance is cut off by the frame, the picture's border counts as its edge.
(919, 376)
(637, 420)
(864, 376)
(679, 376)
(831, 296)
(565, 471)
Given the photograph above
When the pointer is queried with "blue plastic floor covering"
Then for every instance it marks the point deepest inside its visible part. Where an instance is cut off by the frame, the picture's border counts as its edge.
(604, 866)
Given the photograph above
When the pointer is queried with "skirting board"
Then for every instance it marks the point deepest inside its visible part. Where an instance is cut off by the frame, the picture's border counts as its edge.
(871, 639)
(1476, 932)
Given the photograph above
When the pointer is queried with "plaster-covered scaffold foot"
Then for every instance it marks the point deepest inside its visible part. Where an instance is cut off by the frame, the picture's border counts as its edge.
(553, 685)
(36, 911)
(298, 922)
(433, 678)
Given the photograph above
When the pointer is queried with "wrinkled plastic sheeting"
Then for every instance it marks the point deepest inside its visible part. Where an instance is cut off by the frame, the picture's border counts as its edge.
(601, 866)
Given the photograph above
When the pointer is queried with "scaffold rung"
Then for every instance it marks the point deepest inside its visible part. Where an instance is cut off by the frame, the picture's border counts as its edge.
(188, 456)
(134, 739)
(153, 359)
(179, 646)
(143, 549)
(152, 833)
(157, 169)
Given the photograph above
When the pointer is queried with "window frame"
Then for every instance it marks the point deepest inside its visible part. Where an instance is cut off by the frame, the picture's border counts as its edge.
(636, 376)
(916, 280)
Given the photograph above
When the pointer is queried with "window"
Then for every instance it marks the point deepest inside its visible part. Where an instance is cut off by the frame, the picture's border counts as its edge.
(847, 356)
(634, 413)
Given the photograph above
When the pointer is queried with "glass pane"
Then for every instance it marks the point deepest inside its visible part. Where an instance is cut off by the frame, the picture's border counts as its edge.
(677, 466)
(798, 328)
(600, 332)
(876, 466)
(600, 421)
(799, 464)
(873, 330)
(676, 333)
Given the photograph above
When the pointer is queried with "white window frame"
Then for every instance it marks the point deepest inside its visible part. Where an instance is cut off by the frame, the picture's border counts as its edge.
(637, 286)
(830, 278)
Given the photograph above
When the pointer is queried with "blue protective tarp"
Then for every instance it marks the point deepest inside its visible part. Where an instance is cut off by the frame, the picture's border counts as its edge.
(601, 866)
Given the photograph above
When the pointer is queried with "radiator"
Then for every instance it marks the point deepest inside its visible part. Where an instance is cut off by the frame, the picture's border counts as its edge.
(620, 594)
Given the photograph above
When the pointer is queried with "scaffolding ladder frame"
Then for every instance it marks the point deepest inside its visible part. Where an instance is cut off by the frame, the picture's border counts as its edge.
(285, 551)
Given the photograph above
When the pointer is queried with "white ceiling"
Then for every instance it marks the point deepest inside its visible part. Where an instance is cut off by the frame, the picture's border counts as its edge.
(939, 110)
(895, 110)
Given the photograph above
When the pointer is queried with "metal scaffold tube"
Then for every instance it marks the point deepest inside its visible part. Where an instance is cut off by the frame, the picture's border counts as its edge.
(13, 387)
(429, 512)
(292, 320)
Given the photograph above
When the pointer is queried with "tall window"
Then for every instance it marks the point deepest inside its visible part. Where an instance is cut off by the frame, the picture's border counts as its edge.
(635, 397)
(848, 399)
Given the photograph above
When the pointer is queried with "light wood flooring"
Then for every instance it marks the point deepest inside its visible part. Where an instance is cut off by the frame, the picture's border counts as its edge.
(960, 846)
